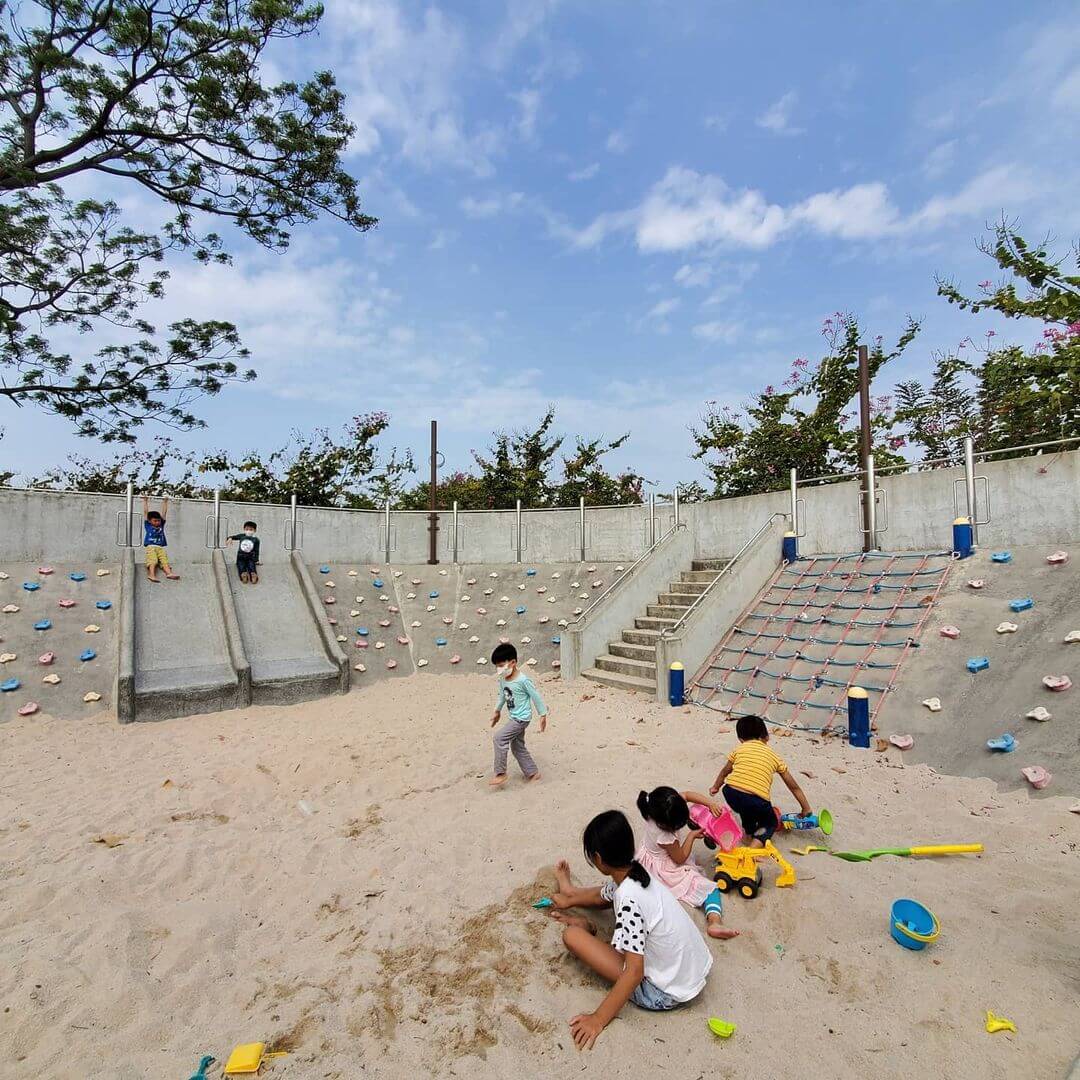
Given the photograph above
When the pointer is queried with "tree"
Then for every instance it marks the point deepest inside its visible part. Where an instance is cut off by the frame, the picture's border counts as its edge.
(938, 418)
(163, 96)
(809, 425)
(1032, 395)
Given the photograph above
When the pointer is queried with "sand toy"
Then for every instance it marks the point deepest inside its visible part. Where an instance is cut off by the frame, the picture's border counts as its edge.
(738, 870)
(937, 849)
(721, 1028)
(912, 925)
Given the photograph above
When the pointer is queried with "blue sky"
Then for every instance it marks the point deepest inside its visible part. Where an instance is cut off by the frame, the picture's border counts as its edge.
(629, 209)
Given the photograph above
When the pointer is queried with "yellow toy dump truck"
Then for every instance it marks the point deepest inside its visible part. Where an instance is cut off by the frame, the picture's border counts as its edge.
(738, 870)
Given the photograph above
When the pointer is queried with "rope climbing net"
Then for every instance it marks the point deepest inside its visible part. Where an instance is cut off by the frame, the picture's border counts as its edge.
(823, 624)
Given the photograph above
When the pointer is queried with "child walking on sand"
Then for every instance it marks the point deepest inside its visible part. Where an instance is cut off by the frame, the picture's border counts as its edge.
(747, 780)
(657, 957)
(668, 859)
(154, 540)
(518, 695)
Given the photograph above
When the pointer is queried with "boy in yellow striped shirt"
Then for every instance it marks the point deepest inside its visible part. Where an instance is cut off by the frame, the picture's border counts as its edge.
(747, 780)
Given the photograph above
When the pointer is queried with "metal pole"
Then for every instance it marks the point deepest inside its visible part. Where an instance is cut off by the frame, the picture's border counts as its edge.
(455, 530)
(675, 499)
(969, 484)
(517, 525)
(130, 500)
(292, 522)
(871, 505)
(386, 527)
(433, 483)
(864, 448)
(795, 501)
(581, 515)
(652, 519)
(217, 517)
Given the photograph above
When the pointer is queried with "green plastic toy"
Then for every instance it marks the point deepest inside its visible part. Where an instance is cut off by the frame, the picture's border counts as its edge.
(721, 1028)
(204, 1064)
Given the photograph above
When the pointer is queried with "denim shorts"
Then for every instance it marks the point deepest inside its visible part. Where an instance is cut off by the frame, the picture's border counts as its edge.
(648, 996)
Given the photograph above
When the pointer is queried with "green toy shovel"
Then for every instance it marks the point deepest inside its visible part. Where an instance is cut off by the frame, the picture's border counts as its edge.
(941, 849)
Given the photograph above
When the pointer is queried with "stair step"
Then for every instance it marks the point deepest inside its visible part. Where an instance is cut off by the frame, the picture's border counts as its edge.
(688, 588)
(710, 564)
(620, 682)
(633, 651)
(641, 669)
(704, 576)
(665, 611)
(671, 599)
(649, 623)
(641, 637)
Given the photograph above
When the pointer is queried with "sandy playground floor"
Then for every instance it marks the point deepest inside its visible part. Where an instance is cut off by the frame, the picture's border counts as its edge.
(165, 894)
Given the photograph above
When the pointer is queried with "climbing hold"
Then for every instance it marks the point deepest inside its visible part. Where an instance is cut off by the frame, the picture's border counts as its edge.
(520, 610)
(592, 569)
(421, 663)
(1007, 628)
(455, 659)
(415, 623)
(76, 575)
(481, 611)
(504, 641)
(619, 569)
(93, 628)
(7, 657)
(10, 685)
(543, 619)
(556, 663)
(31, 586)
(578, 611)
(46, 658)
(1024, 604)
(355, 613)
(45, 570)
(481, 659)
(103, 605)
(1037, 776)
(1038, 713)
(380, 644)
(43, 624)
(65, 603)
(391, 664)
(1001, 557)
(556, 576)
(3, 576)
(1004, 744)
(1057, 683)
(87, 654)
(377, 583)
(1072, 636)
(541, 590)
(521, 588)
(398, 573)
(332, 622)
(978, 663)
(362, 631)
(1058, 558)
(373, 570)
(583, 596)
(410, 596)
(402, 639)
(552, 599)
(442, 573)
(329, 600)
(597, 584)
(473, 640)
(447, 620)
(51, 679)
(330, 584)
(440, 641)
(361, 643)
(463, 626)
(324, 569)
(358, 599)
(500, 622)
(431, 607)
(493, 574)
(393, 609)
(414, 581)
(434, 594)
(353, 573)
(466, 598)
(29, 708)
(952, 632)
(360, 667)
(530, 573)
(526, 641)
(902, 742)
(563, 623)
(504, 599)
(103, 572)
(384, 623)
(556, 640)
(488, 592)
(471, 581)
(342, 637)
(91, 695)
(976, 583)
(531, 662)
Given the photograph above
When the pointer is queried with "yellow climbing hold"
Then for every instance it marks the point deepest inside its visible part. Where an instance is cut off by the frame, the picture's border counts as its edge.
(91, 695)
(998, 1023)
(103, 573)
(93, 628)
(52, 680)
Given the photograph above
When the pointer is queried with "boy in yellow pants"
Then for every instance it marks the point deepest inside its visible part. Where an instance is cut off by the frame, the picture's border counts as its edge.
(154, 540)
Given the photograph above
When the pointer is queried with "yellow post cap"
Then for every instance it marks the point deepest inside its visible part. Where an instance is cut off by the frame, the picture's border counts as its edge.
(790, 533)
(962, 521)
(857, 692)
(676, 666)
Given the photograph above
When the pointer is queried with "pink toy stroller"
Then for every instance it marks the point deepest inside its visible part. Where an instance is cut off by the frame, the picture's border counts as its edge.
(723, 830)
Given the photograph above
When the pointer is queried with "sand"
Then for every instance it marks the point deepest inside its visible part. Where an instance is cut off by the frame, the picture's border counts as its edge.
(337, 879)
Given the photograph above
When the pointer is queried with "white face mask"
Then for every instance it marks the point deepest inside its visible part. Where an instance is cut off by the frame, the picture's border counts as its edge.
(502, 670)
(249, 532)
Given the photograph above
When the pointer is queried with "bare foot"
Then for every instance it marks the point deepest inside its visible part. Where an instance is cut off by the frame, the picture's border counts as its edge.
(717, 930)
(150, 577)
(574, 920)
(171, 576)
(562, 875)
(498, 780)
(535, 776)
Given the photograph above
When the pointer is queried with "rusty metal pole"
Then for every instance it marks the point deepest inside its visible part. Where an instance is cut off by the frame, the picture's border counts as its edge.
(433, 517)
(865, 450)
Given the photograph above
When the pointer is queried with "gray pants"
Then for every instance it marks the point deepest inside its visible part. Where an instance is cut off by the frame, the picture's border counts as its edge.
(511, 736)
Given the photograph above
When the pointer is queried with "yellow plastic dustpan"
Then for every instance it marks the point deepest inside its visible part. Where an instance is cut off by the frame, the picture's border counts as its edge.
(246, 1058)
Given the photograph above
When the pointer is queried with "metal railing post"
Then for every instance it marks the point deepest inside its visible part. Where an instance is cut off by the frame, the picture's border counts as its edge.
(517, 529)
(581, 515)
(969, 485)
(386, 526)
(455, 530)
(795, 502)
(292, 522)
(675, 499)
(217, 517)
(652, 519)
(130, 503)
(871, 505)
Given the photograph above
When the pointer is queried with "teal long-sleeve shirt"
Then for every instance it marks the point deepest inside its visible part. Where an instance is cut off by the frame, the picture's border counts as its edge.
(518, 696)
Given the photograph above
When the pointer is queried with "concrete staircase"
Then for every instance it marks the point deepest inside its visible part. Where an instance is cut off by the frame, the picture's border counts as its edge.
(630, 664)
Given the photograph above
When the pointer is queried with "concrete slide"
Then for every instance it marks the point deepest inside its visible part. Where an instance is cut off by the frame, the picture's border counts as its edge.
(282, 640)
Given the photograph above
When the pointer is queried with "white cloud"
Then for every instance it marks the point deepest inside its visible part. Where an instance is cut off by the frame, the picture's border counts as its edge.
(777, 117)
(586, 173)
(523, 19)
(694, 276)
(491, 206)
(940, 160)
(528, 102)
(990, 192)
(662, 308)
(618, 142)
(717, 331)
(442, 238)
(857, 213)
(716, 122)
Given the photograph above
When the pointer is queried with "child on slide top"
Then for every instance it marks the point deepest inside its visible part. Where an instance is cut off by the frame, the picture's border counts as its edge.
(668, 859)
(747, 781)
(657, 957)
(518, 696)
(154, 540)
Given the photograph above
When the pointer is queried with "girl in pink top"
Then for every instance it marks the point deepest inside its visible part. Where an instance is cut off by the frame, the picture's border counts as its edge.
(667, 858)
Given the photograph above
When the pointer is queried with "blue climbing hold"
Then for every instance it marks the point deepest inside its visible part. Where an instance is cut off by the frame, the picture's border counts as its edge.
(103, 605)
(520, 609)
(1001, 556)
(377, 583)
(1005, 743)
(77, 575)
(530, 573)
(556, 641)
(362, 631)
(978, 663)
(440, 641)
(87, 654)
(324, 569)
(10, 684)
(44, 624)
(877, 587)
(1023, 604)
(434, 594)
(31, 586)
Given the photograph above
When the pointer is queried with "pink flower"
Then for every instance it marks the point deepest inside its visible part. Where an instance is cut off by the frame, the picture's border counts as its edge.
(984, 284)
(991, 333)
(897, 443)
(770, 390)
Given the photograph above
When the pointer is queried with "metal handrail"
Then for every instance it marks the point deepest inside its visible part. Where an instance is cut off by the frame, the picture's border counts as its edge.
(627, 572)
(669, 631)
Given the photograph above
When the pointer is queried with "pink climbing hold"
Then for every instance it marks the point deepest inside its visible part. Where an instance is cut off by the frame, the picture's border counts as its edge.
(1057, 683)
(46, 570)
(1037, 776)
(1058, 558)
(361, 643)
(333, 622)
(66, 603)
(329, 600)
(391, 664)
(46, 658)
(402, 640)
(976, 583)
(455, 659)
(902, 742)
(952, 632)
(29, 708)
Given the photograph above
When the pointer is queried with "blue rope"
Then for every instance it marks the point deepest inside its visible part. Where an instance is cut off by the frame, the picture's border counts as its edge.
(833, 622)
(809, 659)
(825, 641)
(840, 607)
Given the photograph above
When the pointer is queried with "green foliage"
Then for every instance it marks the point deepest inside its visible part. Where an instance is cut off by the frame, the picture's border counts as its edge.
(809, 425)
(164, 96)
(938, 417)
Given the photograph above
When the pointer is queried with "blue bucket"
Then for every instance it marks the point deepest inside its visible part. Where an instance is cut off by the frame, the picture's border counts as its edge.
(913, 925)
